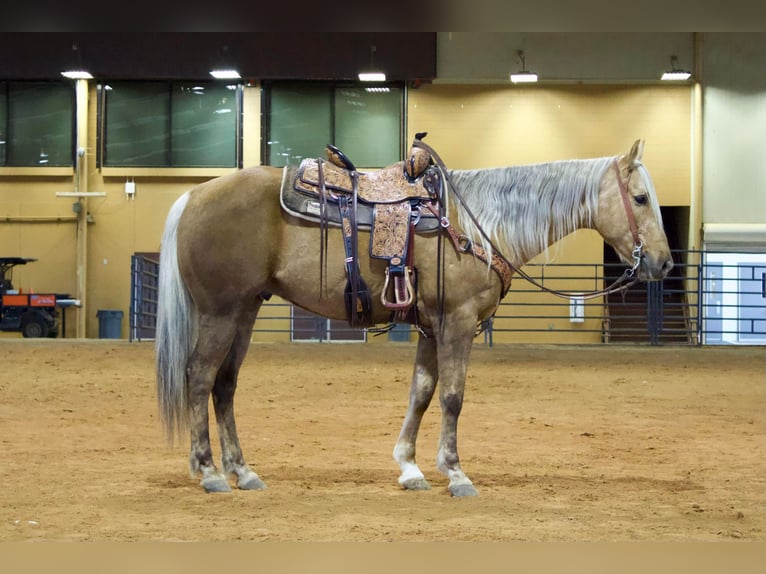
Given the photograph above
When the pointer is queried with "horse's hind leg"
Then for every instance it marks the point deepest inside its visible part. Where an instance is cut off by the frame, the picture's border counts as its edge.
(214, 341)
(424, 380)
(232, 460)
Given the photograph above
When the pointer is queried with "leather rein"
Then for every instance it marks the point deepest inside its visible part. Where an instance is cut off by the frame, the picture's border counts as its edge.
(462, 243)
(628, 278)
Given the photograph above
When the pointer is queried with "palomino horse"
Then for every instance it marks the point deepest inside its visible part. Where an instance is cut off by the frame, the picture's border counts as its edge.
(228, 244)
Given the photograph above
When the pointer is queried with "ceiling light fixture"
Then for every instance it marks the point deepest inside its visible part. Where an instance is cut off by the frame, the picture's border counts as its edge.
(77, 75)
(224, 70)
(675, 74)
(77, 71)
(225, 74)
(372, 74)
(372, 77)
(524, 76)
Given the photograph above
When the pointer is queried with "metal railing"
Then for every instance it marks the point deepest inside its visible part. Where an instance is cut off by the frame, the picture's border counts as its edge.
(659, 312)
(709, 298)
(142, 316)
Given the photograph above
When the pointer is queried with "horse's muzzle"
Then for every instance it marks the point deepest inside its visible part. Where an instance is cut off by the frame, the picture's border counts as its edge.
(654, 269)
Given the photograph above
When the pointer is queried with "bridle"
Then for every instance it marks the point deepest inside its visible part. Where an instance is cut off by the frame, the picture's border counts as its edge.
(626, 280)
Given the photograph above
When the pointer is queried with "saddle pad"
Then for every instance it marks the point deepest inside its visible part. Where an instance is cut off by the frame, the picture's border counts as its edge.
(388, 185)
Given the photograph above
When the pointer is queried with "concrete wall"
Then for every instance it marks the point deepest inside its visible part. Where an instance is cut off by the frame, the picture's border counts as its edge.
(734, 128)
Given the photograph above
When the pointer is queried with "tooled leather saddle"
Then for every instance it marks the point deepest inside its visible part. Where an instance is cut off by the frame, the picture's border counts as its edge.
(393, 203)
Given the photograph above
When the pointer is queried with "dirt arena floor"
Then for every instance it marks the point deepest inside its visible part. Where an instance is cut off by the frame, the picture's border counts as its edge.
(563, 444)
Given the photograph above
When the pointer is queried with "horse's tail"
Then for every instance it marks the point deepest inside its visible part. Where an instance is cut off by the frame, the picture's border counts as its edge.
(176, 329)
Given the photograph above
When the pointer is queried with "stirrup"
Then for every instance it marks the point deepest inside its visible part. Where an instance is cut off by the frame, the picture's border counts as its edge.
(404, 294)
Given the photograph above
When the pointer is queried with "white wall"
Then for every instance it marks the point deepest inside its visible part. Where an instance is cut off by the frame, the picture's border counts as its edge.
(734, 128)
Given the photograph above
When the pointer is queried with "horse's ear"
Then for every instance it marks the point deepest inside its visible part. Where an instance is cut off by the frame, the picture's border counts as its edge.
(634, 157)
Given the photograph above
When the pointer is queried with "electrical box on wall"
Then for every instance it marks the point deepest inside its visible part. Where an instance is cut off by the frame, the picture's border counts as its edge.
(576, 310)
(130, 189)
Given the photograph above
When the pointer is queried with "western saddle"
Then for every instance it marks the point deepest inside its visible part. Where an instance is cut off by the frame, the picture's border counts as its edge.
(393, 203)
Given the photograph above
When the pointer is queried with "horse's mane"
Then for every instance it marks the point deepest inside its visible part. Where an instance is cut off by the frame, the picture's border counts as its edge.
(524, 209)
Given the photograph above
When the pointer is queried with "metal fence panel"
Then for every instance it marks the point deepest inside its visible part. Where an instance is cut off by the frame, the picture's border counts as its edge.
(144, 275)
(707, 300)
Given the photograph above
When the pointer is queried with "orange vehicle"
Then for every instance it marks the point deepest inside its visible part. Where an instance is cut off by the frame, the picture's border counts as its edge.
(34, 314)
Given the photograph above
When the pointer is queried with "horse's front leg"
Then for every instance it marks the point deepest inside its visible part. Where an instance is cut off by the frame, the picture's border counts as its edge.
(454, 349)
(422, 388)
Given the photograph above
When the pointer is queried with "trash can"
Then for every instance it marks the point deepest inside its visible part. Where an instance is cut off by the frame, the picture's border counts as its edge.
(399, 333)
(109, 324)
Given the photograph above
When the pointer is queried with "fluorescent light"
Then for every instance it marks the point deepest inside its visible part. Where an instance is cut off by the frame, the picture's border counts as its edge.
(372, 77)
(377, 89)
(676, 75)
(524, 78)
(77, 75)
(225, 74)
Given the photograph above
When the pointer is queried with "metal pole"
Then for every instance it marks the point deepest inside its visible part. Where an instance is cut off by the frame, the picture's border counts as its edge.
(81, 185)
(700, 294)
(695, 204)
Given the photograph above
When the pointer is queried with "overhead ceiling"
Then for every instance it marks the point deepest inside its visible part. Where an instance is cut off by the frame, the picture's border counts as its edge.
(260, 55)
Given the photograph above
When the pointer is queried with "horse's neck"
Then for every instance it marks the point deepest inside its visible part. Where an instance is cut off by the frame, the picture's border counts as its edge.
(525, 209)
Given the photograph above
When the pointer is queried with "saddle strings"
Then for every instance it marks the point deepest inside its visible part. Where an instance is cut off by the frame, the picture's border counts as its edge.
(323, 231)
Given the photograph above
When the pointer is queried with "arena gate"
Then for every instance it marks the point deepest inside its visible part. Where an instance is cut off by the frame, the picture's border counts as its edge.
(144, 271)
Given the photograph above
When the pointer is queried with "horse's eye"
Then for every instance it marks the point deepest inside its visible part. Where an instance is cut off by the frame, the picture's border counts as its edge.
(640, 199)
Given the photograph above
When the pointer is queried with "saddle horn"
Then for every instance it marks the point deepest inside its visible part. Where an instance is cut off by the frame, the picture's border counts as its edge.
(418, 159)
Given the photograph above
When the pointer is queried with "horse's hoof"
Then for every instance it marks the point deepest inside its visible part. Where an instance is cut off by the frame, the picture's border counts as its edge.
(416, 484)
(215, 484)
(251, 482)
(461, 490)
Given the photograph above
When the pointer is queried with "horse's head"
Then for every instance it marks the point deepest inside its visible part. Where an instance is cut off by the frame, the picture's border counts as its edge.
(629, 219)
